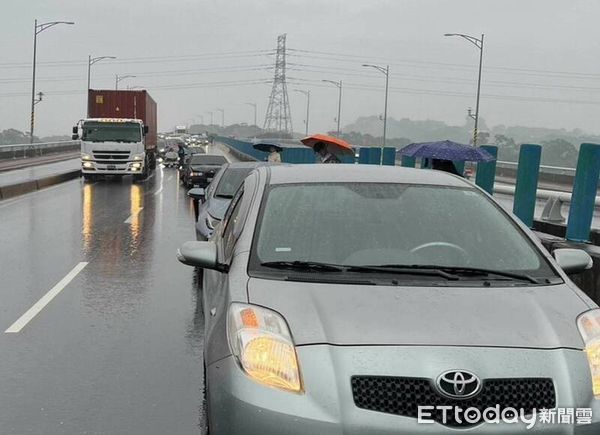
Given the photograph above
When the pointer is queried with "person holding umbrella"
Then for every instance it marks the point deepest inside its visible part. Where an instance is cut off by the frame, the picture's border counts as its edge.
(274, 150)
(445, 165)
(321, 151)
(328, 148)
(274, 155)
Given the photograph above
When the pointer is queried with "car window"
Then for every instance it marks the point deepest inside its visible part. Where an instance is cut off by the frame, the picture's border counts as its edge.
(375, 224)
(231, 181)
(229, 223)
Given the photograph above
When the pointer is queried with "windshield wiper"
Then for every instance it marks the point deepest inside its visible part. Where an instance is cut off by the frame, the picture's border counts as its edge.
(224, 196)
(304, 265)
(403, 269)
(474, 271)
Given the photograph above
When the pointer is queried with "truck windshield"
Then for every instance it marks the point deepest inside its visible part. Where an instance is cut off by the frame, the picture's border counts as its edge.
(111, 132)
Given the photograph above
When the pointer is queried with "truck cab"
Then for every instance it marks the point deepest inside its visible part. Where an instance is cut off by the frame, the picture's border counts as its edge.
(113, 146)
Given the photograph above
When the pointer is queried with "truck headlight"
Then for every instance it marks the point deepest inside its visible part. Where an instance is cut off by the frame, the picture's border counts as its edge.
(136, 165)
(589, 328)
(138, 157)
(85, 156)
(261, 342)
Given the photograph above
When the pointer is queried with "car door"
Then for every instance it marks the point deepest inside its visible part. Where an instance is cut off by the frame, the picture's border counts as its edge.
(215, 288)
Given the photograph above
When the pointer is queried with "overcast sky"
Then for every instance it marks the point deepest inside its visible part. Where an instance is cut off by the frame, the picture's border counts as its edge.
(541, 59)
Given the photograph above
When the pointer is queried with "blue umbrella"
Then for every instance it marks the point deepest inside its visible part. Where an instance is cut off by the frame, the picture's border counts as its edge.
(447, 150)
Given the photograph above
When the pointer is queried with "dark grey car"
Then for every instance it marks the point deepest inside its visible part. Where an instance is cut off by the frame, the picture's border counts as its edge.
(355, 299)
(218, 194)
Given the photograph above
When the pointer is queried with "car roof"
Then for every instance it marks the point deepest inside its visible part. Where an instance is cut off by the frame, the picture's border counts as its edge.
(248, 164)
(348, 173)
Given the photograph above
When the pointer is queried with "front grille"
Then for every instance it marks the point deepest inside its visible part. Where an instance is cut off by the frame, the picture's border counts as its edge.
(403, 395)
(111, 156)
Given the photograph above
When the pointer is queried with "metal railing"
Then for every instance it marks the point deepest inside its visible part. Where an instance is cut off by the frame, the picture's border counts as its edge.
(559, 170)
(17, 151)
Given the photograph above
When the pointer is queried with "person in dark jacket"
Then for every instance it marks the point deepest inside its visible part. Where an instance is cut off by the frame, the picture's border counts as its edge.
(445, 165)
(321, 151)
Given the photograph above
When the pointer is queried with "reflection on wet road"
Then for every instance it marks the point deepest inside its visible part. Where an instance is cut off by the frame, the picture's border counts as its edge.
(118, 350)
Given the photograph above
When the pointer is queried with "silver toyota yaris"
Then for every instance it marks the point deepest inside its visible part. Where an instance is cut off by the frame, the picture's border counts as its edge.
(355, 299)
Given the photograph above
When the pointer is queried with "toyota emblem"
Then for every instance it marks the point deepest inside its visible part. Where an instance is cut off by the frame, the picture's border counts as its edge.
(459, 384)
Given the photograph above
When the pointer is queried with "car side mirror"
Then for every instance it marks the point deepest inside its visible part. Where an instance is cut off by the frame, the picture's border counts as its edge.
(75, 137)
(75, 130)
(197, 193)
(146, 129)
(200, 254)
(573, 261)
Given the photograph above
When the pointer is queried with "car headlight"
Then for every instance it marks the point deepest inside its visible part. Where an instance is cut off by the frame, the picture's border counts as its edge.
(138, 157)
(589, 328)
(261, 341)
(85, 156)
(196, 174)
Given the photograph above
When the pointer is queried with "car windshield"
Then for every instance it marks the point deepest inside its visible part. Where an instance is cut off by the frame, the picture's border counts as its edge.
(362, 224)
(231, 181)
(207, 160)
(111, 132)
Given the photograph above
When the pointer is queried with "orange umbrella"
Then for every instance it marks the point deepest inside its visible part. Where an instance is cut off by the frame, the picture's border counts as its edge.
(334, 144)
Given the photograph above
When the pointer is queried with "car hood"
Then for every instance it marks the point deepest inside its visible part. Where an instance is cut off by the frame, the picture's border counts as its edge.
(218, 206)
(342, 314)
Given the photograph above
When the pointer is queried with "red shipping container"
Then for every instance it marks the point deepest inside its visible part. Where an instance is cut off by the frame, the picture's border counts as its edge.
(125, 104)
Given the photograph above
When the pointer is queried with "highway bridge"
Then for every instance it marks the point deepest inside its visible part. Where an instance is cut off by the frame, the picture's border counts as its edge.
(102, 327)
(102, 331)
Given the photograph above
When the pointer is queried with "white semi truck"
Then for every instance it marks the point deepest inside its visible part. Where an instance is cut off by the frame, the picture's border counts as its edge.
(120, 138)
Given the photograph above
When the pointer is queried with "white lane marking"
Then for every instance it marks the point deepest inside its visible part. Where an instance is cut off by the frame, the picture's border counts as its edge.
(130, 218)
(158, 191)
(45, 300)
(169, 178)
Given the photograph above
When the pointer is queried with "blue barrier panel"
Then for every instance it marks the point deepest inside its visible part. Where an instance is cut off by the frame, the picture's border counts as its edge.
(389, 156)
(374, 156)
(583, 198)
(298, 155)
(346, 158)
(363, 155)
(408, 162)
(486, 172)
(527, 181)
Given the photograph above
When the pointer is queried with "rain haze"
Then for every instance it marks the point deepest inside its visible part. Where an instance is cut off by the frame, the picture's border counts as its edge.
(195, 57)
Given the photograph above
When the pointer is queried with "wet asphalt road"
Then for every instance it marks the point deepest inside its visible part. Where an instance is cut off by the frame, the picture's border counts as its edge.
(119, 349)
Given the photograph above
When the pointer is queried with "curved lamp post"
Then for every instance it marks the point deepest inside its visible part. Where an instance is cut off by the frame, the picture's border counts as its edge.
(38, 28)
(479, 44)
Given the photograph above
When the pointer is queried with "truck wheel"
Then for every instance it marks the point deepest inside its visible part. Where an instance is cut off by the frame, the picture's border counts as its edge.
(153, 161)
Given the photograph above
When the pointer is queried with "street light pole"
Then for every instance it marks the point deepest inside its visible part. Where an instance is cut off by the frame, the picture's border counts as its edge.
(211, 117)
(253, 105)
(119, 78)
(37, 29)
(222, 117)
(307, 94)
(339, 86)
(91, 61)
(479, 44)
(385, 71)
